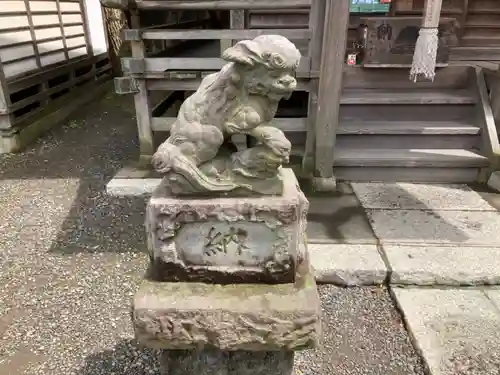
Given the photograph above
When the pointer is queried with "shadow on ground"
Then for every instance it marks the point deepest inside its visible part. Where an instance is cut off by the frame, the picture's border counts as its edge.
(89, 148)
(125, 358)
(100, 139)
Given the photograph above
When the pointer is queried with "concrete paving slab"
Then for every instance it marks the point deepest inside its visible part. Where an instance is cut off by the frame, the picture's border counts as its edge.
(455, 330)
(363, 335)
(438, 265)
(347, 264)
(337, 219)
(121, 187)
(494, 296)
(408, 196)
(468, 228)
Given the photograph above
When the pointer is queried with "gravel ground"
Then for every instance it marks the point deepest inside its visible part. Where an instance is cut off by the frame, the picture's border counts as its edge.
(71, 260)
(363, 335)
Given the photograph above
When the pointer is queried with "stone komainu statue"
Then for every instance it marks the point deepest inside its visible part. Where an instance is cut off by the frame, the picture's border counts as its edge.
(242, 98)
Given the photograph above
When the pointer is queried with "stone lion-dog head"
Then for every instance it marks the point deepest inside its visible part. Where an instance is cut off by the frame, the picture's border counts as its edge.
(267, 65)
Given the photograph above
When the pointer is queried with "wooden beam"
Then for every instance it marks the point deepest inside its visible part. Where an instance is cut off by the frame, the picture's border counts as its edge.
(292, 124)
(330, 89)
(140, 66)
(161, 84)
(215, 34)
(221, 4)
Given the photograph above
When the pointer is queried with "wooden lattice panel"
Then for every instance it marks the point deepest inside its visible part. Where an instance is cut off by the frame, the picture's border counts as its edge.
(35, 34)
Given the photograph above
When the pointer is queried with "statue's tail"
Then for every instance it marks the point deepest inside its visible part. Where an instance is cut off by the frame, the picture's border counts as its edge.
(186, 178)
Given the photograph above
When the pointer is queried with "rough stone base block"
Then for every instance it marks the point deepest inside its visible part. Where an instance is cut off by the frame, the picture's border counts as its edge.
(256, 317)
(217, 362)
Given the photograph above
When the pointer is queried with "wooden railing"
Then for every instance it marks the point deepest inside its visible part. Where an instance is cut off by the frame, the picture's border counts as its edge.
(488, 90)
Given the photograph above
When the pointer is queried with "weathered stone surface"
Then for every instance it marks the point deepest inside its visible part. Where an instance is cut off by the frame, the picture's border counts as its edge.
(255, 317)
(444, 265)
(469, 228)
(347, 264)
(456, 330)
(226, 240)
(217, 362)
(408, 196)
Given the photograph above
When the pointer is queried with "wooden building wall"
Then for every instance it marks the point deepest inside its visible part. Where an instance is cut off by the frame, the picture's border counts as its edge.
(478, 23)
(53, 55)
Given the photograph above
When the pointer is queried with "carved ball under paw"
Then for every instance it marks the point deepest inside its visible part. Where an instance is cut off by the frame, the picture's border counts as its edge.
(160, 163)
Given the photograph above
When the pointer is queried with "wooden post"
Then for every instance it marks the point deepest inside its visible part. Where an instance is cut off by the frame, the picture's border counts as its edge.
(141, 100)
(494, 84)
(237, 22)
(316, 25)
(6, 143)
(330, 91)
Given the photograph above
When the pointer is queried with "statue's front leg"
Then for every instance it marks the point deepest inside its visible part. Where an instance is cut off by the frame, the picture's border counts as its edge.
(273, 138)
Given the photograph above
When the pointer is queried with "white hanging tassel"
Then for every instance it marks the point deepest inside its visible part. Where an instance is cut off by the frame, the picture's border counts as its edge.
(426, 48)
(424, 58)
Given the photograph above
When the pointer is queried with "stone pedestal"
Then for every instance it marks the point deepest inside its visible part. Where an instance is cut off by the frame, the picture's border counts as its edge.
(229, 289)
(228, 240)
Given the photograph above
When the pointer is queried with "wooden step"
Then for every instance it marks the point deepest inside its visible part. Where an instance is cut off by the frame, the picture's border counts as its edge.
(396, 78)
(409, 134)
(474, 54)
(408, 128)
(376, 96)
(408, 113)
(409, 158)
(408, 165)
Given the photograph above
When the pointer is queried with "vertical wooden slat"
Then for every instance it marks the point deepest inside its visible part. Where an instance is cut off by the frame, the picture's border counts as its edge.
(83, 9)
(330, 90)
(316, 25)
(32, 33)
(44, 84)
(141, 100)
(61, 25)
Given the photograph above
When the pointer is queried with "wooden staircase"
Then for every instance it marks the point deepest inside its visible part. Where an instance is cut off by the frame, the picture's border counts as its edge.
(392, 129)
(396, 130)
(401, 131)
(482, 24)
